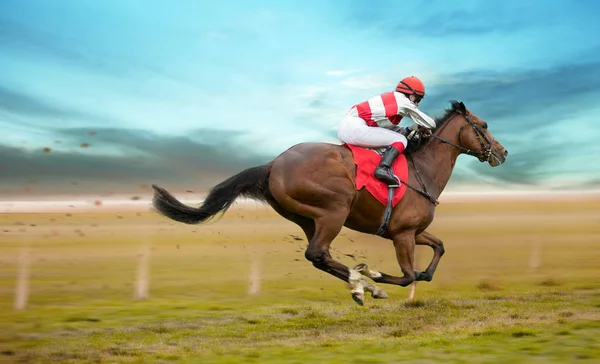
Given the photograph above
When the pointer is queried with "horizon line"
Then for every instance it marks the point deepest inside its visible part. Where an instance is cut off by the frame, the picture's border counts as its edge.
(95, 203)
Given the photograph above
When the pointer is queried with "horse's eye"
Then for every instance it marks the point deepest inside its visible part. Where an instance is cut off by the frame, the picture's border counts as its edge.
(484, 125)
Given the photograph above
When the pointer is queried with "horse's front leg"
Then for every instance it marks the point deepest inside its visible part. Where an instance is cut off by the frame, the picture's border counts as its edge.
(405, 253)
(403, 244)
(405, 250)
(437, 245)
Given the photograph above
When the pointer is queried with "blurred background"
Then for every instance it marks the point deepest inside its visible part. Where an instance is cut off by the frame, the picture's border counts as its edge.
(109, 96)
(101, 99)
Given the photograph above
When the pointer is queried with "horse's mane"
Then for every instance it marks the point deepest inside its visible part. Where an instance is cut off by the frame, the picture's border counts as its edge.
(448, 114)
(455, 108)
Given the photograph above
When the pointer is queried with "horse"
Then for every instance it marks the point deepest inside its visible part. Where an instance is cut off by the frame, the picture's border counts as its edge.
(313, 184)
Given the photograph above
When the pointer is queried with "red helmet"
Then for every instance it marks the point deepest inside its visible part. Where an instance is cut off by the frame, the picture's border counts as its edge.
(412, 86)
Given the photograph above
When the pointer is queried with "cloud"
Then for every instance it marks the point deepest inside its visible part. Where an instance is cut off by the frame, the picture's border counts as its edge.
(442, 19)
(19, 37)
(21, 103)
(525, 110)
(368, 82)
(339, 73)
(459, 23)
(528, 164)
(146, 158)
(310, 91)
(123, 73)
(217, 149)
(523, 99)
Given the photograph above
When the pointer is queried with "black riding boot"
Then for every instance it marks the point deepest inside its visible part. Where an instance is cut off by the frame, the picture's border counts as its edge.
(383, 172)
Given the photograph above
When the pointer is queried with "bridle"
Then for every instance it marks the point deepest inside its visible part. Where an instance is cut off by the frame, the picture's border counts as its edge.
(484, 154)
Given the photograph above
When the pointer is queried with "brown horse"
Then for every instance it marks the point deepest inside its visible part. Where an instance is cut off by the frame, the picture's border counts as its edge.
(313, 185)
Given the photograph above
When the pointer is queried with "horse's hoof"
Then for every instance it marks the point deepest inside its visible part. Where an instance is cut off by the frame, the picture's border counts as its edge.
(359, 298)
(361, 267)
(419, 275)
(380, 295)
(422, 276)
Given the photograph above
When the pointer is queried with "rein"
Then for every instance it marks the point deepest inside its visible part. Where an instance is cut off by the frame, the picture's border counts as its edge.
(422, 192)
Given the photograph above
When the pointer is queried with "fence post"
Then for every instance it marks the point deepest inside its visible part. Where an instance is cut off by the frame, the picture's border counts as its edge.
(24, 261)
(413, 286)
(142, 285)
(254, 275)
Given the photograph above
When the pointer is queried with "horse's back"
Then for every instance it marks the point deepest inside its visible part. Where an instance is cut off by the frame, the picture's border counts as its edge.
(315, 154)
(308, 148)
(307, 168)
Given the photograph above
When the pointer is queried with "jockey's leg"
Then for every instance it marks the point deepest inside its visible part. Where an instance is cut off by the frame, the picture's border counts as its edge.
(355, 131)
(384, 171)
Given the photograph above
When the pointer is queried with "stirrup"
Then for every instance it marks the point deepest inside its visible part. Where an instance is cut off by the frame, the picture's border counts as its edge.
(388, 177)
(396, 183)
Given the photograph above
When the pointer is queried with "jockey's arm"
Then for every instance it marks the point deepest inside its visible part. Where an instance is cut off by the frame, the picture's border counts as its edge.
(412, 133)
(408, 109)
(419, 117)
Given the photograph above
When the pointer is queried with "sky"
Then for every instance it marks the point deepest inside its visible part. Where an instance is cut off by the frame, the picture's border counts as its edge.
(125, 93)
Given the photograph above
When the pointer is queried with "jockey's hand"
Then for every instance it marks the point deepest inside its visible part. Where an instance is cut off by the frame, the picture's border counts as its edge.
(425, 133)
(412, 132)
(421, 130)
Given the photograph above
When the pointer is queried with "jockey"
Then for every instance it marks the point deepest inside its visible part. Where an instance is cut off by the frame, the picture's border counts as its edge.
(375, 123)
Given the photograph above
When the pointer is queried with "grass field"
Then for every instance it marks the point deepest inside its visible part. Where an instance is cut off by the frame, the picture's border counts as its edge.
(519, 283)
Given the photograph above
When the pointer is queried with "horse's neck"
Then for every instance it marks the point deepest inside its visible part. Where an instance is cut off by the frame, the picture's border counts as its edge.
(436, 161)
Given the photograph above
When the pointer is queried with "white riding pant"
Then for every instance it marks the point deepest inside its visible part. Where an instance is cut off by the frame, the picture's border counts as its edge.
(355, 131)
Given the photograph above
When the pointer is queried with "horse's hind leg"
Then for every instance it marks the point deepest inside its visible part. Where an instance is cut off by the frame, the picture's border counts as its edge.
(320, 233)
(307, 225)
(326, 229)
(317, 252)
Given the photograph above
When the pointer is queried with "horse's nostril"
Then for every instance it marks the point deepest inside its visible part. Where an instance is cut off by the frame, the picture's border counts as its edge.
(505, 152)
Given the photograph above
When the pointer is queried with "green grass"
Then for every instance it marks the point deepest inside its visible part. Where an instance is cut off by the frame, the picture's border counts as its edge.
(485, 304)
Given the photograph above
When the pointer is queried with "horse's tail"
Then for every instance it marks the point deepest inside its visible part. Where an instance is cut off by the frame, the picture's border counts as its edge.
(251, 183)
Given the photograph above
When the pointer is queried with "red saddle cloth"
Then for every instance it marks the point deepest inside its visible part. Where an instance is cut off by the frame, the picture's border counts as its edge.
(366, 161)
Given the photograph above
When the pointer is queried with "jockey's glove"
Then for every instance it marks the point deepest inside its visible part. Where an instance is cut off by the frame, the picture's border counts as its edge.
(411, 133)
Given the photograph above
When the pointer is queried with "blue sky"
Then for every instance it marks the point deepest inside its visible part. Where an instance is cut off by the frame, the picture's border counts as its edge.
(239, 82)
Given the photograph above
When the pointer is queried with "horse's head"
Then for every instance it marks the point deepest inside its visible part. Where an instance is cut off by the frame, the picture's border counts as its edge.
(471, 135)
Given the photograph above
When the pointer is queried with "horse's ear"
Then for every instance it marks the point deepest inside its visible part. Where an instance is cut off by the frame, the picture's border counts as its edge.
(458, 107)
(463, 108)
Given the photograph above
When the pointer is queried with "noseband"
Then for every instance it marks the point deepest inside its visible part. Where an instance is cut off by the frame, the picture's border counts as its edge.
(484, 154)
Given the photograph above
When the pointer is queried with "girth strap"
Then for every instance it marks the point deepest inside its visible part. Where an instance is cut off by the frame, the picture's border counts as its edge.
(388, 211)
